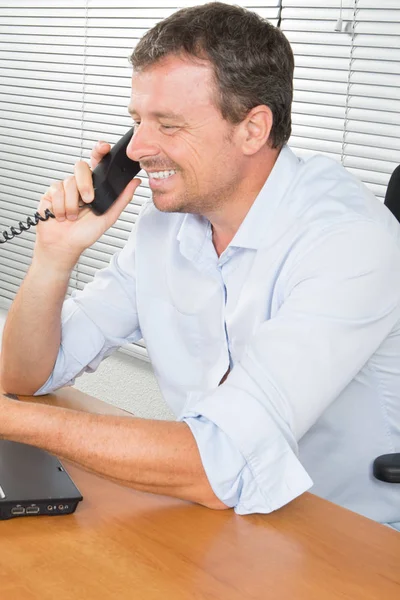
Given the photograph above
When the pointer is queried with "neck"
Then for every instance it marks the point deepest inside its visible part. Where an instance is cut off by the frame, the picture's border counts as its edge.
(226, 221)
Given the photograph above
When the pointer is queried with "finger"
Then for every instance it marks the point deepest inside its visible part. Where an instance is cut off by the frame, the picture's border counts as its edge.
(98, 152)
(84, 183)
(44, 204)
(71, 196)
(56, 194)
(112, 214)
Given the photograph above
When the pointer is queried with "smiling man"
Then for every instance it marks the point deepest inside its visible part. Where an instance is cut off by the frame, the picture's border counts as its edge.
(266, 288)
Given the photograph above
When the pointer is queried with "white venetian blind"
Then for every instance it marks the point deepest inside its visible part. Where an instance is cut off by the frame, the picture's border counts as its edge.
(347, 84)
(322, 58)
(372, 129)
(41, 79)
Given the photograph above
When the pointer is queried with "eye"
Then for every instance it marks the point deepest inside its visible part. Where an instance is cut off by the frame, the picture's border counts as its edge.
(169, 127)
(136, 125)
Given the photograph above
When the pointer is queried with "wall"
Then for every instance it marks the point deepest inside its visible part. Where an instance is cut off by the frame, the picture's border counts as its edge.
(128, 383)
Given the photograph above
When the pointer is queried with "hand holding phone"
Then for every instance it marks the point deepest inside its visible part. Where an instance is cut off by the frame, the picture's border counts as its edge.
(110, 178)
(106, 191)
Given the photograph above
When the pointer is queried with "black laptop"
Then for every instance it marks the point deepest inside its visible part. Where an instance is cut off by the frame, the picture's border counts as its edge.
(33, 482)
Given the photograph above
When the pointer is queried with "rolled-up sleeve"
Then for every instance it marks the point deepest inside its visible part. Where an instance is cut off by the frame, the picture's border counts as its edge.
(340, 301)
(97, 320)
(248, 454)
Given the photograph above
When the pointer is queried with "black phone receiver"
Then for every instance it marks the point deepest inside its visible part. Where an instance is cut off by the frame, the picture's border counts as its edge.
(112, 175)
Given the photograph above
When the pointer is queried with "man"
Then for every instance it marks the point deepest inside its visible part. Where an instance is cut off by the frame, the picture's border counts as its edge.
(266, 288)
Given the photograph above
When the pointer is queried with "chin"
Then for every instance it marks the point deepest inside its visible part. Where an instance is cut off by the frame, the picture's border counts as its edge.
(169, 205)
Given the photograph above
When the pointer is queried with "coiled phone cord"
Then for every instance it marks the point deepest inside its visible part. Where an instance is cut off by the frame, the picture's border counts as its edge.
(24, 227)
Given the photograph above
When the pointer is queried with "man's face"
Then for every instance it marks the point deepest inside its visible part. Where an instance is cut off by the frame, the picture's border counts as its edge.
(188, 150)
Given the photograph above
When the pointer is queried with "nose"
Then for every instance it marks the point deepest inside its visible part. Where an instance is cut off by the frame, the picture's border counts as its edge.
(142, 144)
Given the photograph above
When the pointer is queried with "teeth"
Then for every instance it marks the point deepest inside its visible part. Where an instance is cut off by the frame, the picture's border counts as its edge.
(162, 174)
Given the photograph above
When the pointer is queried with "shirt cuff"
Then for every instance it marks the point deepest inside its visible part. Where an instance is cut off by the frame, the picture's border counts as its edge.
(249, 463)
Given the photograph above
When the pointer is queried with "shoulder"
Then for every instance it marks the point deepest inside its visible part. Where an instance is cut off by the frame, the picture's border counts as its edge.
(326, 201)
(353, 250)
(324, 188)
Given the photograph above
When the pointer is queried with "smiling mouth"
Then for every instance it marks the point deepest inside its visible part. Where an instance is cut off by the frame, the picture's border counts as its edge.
(161, 174)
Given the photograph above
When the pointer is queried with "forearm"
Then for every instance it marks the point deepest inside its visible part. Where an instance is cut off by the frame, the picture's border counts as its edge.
(154, 456)
(32, 332)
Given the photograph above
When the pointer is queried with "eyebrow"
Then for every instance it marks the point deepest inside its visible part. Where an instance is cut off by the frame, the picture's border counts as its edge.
(160, 115)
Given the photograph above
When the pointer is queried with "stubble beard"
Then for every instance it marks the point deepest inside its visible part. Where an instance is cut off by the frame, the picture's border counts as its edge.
(204, 204)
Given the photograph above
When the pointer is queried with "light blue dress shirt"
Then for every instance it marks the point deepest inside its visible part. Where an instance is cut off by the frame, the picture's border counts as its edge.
(303, 306)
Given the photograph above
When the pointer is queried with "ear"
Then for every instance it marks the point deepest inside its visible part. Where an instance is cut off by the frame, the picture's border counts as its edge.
(255, 129)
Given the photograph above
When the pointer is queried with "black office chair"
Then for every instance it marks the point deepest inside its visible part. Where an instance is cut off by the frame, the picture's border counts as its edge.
(387, 466)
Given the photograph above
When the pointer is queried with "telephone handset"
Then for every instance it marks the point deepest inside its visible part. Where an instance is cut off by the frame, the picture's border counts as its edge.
(110, 177)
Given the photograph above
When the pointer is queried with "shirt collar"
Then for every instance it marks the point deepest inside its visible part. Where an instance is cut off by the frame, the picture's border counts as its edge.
(195, 230)
(255, 226)
(193, 235)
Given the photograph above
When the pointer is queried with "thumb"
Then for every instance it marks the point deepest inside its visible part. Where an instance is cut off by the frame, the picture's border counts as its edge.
(112, 214)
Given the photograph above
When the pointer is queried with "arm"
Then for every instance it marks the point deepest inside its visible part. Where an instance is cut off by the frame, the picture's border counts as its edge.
(33, 327)
(97, 320)
(153, 456)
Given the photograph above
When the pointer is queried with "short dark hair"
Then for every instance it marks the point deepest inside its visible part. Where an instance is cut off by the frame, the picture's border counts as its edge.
(252, 60)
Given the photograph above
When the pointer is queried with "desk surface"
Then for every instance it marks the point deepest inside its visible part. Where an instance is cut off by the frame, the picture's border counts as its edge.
(125, 544)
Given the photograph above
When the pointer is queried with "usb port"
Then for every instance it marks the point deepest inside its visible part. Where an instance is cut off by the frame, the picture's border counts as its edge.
(18, 510)
(32, 510)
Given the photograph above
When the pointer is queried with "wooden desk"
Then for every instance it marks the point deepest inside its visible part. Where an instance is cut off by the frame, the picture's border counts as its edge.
(122, 544)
